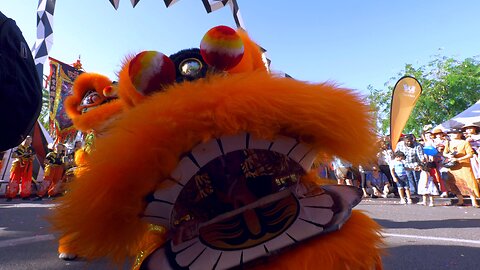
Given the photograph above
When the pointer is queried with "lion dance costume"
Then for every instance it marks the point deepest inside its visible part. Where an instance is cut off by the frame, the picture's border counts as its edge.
(209, 166)
(92, 105)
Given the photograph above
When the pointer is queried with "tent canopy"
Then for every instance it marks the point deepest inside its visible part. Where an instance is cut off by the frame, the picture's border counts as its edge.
(470, 116)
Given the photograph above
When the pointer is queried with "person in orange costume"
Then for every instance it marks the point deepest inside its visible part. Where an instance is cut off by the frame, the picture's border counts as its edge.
(92, 106)
(54, 168)
(21, 171)
(225, 173)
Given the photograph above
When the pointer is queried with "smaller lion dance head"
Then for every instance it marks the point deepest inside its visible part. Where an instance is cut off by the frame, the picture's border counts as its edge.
(209, 166)
(93, 102)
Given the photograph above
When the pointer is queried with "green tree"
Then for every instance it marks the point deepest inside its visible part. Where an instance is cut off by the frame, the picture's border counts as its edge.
(44, 113)
(449, 87)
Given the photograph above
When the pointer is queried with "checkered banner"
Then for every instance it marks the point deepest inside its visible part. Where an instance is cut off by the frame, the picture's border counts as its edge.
(44, 41)
(210, 5)
(46, 8)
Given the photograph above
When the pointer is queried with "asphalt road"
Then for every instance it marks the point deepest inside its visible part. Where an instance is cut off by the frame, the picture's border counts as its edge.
(417, 237)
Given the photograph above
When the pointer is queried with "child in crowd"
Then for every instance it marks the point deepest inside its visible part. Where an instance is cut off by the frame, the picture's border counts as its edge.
(438, 160)
(426, 186)
(399, 174)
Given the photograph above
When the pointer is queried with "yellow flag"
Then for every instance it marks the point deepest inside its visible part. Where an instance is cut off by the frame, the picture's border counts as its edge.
(404, 96)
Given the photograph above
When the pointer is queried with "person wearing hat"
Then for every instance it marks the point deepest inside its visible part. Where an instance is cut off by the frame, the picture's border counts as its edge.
(428, 138)
(472, 134)
(461, 180)
(440, 137)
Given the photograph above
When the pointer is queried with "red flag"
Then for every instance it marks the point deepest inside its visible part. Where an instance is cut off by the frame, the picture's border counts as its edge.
(39, 142)
(405, 94)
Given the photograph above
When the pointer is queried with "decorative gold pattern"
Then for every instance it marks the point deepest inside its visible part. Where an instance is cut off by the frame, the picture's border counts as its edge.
(204, 185)
(182, 219)
(253, 165)
(282, 181)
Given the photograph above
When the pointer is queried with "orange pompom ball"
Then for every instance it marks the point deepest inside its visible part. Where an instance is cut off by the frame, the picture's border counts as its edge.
(222, 47)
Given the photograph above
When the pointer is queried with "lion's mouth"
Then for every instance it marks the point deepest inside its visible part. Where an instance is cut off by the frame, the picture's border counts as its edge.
(241, 194)
(226, 174)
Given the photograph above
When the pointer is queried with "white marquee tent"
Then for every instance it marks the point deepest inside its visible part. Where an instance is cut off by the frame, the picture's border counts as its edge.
(468, 117)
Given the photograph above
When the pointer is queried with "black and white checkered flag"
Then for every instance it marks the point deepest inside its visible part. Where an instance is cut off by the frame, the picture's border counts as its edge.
(44, 41)
(46, 8)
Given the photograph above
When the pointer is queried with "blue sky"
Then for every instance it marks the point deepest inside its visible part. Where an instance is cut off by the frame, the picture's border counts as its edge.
(350, 42)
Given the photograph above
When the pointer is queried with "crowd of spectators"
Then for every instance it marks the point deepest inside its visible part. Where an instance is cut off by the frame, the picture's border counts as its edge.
(441, 163)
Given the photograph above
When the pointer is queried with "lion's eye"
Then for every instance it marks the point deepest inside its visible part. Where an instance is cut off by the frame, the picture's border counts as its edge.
(190, 67)
(92, 97)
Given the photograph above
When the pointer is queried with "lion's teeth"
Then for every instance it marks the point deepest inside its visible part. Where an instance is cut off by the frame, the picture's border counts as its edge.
(157, 213)
(253, 252)
(300, 154)
(257, 143)
(186, 257)
(168, 193)
(279, 242)
(206, 152)
(229, 259)
(307, 161)
(301, 230)
(207, 259)
(185, 169)
(283, 145)
(234, 142)
(183, 245)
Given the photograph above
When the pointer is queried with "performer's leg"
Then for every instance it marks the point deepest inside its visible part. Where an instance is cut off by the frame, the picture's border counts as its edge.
(26, 190)
(12, 188)
(14, 182)
(42, 191)
(47, 179)
(56, 181)
(411, 182)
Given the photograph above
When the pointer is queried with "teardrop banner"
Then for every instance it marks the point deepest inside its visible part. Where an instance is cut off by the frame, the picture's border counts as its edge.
(405, 94)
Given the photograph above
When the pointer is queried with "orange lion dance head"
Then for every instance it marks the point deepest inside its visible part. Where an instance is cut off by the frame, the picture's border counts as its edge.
(93, 103)
(216, 154)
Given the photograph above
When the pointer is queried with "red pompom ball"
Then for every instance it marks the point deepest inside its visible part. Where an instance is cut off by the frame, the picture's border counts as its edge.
(222, 47)
(150, 71)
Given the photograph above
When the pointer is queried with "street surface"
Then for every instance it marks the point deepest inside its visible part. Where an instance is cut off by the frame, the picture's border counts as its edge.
(417, 237)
